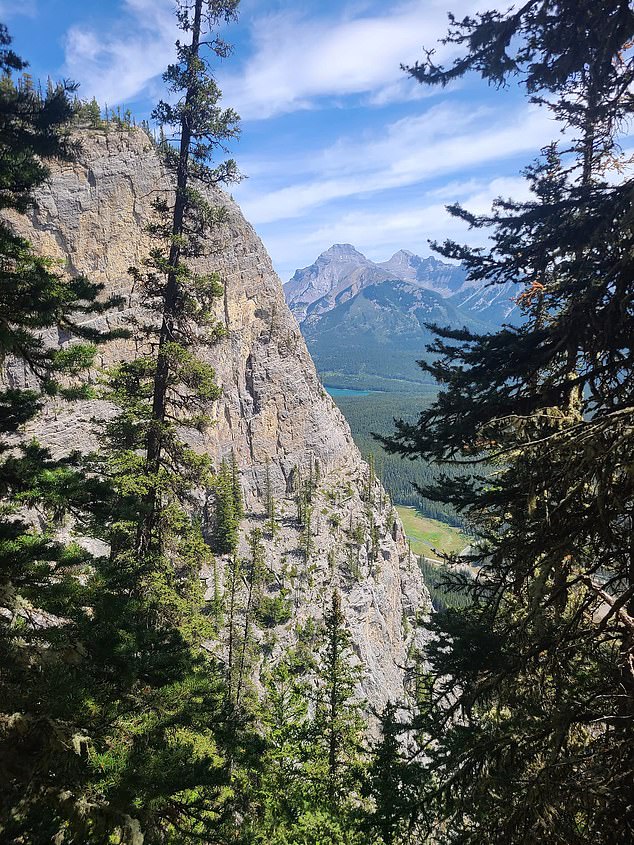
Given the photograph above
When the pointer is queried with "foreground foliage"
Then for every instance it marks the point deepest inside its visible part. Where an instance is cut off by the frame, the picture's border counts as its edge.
(530, 700)
(40, 575)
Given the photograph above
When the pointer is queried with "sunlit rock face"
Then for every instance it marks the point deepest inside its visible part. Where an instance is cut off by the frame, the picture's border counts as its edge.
(274, 413)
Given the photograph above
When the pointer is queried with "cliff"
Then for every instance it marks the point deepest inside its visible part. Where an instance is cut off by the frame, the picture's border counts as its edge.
(274, 413)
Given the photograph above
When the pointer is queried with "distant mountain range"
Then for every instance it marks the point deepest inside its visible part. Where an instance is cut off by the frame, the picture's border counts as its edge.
(364, 322)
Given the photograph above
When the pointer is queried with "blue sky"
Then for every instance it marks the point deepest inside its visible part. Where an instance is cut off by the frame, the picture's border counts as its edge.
(338, 144)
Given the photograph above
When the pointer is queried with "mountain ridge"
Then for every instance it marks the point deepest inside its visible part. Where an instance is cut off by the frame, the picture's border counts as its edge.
(341, 271)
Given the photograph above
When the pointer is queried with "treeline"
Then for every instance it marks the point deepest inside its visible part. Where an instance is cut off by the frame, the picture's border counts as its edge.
(88, 113)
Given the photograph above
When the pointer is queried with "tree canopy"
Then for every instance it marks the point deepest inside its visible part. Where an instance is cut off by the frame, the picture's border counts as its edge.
(530, 712)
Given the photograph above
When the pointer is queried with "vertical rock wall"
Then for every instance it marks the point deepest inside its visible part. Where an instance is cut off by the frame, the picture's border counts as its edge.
(274, 412)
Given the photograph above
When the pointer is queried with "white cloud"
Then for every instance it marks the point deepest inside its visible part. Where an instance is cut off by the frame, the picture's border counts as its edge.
(116, 65)
(293, 60)
(26, 8)
(297, 60)
(379, 232)
(439, 141)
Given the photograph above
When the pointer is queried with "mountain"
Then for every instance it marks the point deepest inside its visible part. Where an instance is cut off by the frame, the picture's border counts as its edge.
(379, 332)
(336, 275)
(365, 322)
(342, 271)
(92, 217)
(493, 304)
(445, 279)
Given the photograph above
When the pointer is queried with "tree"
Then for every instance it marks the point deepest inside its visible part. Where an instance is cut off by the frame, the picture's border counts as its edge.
(310, 791)
(337, 724)
(41, 751)
(254, 569)
(269, 501)
(236, 488)
(226, 519)
(282, 794)
(163, 758)
(392, 782)
(369, 491)
(306, 539)
(531, 720)
(143, 751)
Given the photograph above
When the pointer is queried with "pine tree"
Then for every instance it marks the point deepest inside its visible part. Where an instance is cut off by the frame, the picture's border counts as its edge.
(311, 785)
(254, 570)
(41, 751)
(164, 759)
(337, 724)
(269, 501)
(236, 488)
(393, 783)
(143, 697)
(531, 719)
(226, 520)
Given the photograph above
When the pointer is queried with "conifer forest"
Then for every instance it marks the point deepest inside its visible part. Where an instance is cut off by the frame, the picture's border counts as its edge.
(214, 626)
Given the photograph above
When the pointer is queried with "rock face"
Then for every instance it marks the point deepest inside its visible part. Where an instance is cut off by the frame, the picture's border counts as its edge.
(428, 273)
(274, 413)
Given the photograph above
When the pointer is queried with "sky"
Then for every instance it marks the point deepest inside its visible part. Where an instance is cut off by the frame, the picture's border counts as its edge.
(338, 143)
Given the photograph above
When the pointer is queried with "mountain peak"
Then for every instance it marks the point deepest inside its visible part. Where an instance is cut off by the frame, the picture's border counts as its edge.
(341, 271)
(345, 251)
(403, 264)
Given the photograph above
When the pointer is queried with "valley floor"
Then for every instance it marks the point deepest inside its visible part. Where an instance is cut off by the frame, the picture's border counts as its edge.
(430, 537)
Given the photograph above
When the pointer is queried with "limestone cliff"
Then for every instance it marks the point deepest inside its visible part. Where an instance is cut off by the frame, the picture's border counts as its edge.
(274, 412)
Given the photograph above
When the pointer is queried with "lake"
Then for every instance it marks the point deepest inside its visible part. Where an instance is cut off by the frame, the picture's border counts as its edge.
(346, 391)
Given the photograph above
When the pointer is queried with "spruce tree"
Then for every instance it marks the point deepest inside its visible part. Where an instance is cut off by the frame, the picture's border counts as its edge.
(283, 795)
(225, 518)
(337, 724)
(530, 722)
(147, 755)
(310, 790)
(393, 783)
(41, 750)
(269, 502)
(236, 487)
(254, 570)
(164, 759)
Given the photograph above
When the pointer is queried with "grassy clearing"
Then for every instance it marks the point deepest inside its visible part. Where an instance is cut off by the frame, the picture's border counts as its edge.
(429, 536)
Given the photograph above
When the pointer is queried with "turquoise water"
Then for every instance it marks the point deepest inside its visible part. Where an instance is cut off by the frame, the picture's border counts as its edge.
(346, 391)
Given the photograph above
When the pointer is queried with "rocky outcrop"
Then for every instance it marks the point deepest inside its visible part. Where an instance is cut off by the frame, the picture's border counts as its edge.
(428, 273)
(274, 413)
